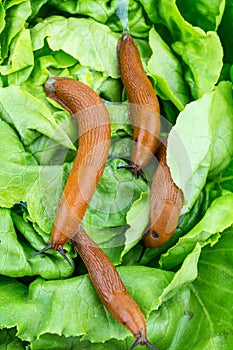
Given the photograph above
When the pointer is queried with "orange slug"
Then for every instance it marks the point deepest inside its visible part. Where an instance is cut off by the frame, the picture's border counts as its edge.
(93, 121)
(111, 289)
(166, 201)
(144, 109)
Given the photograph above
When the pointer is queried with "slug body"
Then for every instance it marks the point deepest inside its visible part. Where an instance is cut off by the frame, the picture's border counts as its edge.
(166, 202)
(111, 289)
(144, 107)
(93, 121)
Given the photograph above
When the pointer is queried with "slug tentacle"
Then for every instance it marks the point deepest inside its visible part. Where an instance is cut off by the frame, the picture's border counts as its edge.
(139, 342)
(49, 246)
(60, 249)
(135, 169)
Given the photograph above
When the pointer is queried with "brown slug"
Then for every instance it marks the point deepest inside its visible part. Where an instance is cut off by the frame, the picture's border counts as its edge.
(111, 289)
(144, 109)
(166, 201)
(93, 120)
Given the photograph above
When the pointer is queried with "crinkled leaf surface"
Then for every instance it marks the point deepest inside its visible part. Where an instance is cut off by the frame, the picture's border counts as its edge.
(98, 9)
(225, 180)
(197, 49)
(29, 116)
(16, 15)
(225, 28)
(199, 305)
(16, 258)
(202, 13)
(216, 219)
(204, 139)
(137, 218)
(73, 35)
(166, 69)
(21, 61)
(44, 301)
(9, 340)
(189, 308)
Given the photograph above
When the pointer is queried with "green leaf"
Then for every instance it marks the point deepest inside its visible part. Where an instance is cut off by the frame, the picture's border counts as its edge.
(73, 36)
(137, 218)
(189, 43)
(202, 13)
(197, 49)
(45, 64)
(226, 27)
(15, 182)
(120, 123)
(29, 116)
(11, 149)
(9, 340)
(21, 60)
(151, 7)
(44, 195)
(217, 218)
(106, 87)
(116, 192)
(38, 310)
(204, 305)
(36, 6)
(16, 16)
(200, 305)
(16, 259)
(129, 16)
(97, 9)
(184, 276)
(221, 128)
(225, 180)
(2, 17)
(166, 70)
(204, 139)
(26, 229)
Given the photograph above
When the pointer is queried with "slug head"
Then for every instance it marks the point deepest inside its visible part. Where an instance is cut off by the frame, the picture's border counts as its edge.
(163, 225)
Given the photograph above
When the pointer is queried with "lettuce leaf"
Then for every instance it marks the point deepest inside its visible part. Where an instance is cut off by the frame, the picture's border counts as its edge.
(73, 36)
(29, 116)
(202, 13)
(204, 139)
(16, 259)
(199, 305)
(46, 304)
(21, 60)
(166, 69)
(9, 339)
(197, 49)
(225, 28)
(97, 9)
(17, 12)
(217, 218)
